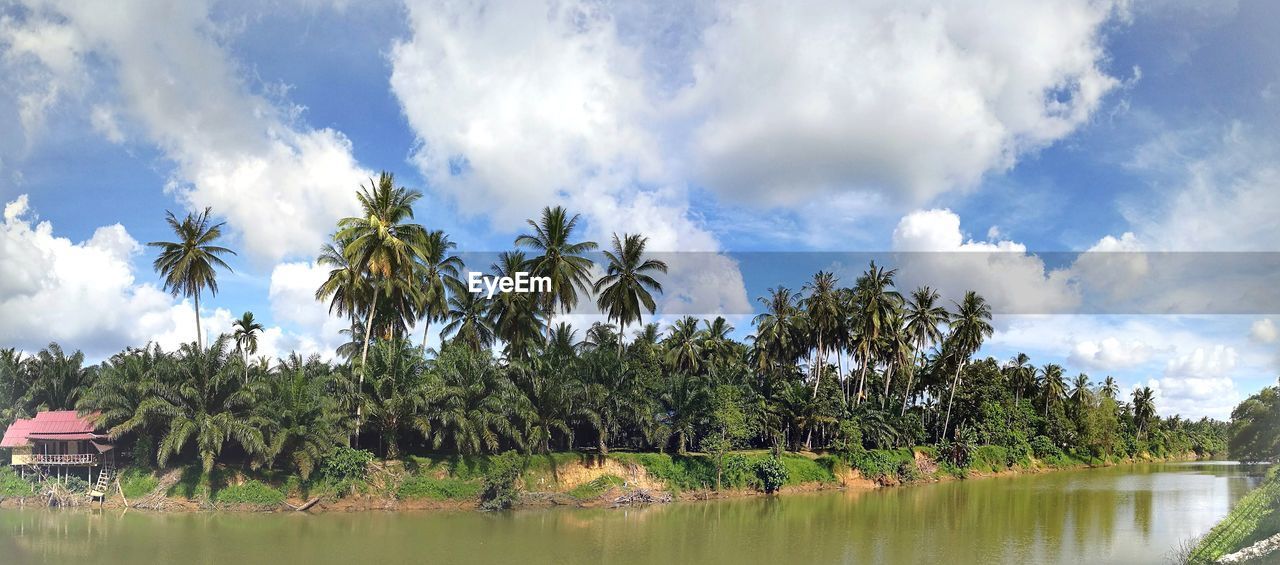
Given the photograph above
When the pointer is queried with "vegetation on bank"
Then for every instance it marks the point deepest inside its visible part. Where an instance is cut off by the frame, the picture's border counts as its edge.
(859, 370)
(1254, 518)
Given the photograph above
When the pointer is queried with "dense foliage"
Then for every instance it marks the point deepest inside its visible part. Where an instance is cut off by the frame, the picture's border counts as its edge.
(840, 368)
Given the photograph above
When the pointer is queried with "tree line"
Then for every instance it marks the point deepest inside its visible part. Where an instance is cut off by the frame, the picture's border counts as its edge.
(826, 367)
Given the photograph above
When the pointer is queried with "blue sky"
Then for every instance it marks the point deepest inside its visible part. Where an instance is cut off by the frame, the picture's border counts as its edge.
(724, 128)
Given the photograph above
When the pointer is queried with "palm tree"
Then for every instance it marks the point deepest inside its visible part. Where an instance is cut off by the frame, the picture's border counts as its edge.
(717, 347)
(898, 350)
(469, 411)
(875, 302)
(560, 259)
(1081, 393)
(923, 317)
(1144, 408)
(515, 316)
(204, 402)
(400, 393)
(1109, 389)
(1018, 370)
(1052, 385)
(469, 320)
(121, 386)
(778, 329)
(545, 398)
(56, 379)
(625, 291)
(684, 406)
(305, 423)
(188, 265)
(822, 308)
(684, 346)
(346, 289)
(246, 337)
(437, 272)
(970, 327)
(382, 244)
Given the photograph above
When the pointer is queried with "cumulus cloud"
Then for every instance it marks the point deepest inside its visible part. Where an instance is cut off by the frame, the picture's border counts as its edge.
(916, 98)
(1199, 383)
(280, 184)
(1264, 331)
(293, 302)
(1110, 354)
(82, 294)
(933, 250)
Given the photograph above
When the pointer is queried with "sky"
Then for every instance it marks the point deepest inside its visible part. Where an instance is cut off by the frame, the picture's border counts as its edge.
(1106, 173)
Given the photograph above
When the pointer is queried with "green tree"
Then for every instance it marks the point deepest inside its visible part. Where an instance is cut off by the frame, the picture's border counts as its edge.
(969, 328)
(729, 426)
(924, 318)
(1052, 385)
(246, 338)
(561, 259)
(515, 316)
(1255, 427)
(399, 394)
(469, 320)
(189, 264)
(626, 289)
(437, 272)
(468, 409)
(304, 422)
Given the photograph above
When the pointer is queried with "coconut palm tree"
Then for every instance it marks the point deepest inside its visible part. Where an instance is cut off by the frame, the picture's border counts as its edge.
(515, 316)
(626, 290)
(1144, 408)
(717, 347)
(383, 245)
(822, 309)
(897, 350)
(469, 320)
(875, 303)
(778, 330)
(346, 289)
(684, 346)
(189, 265)
(1081, 393)
(559, 258)
(924, 318)
(246, 338)
(204, 402)
(1052, 385)
(1109, 389)
(437, 272)
(970, 327)
(1018, 370)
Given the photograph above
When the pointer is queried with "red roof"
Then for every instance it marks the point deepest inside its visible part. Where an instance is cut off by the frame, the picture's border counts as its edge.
(16, 435)
(63, 425)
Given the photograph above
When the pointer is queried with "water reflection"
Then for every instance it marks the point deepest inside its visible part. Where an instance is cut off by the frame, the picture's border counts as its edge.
(1125, 514)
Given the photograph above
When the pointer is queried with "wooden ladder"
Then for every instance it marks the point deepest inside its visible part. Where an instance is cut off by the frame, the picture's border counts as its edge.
(105, 476)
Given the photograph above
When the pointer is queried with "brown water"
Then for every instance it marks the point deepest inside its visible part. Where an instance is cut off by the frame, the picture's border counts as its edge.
(1128, 514)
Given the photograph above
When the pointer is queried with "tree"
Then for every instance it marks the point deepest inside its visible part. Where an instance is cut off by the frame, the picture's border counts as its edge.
(469, 320)
(383, 246)
(684, 346)
(729, 426)
(923, 317)
(1081, 394)
(1255, 427)
(1052, 385)
(399, 394)
(189, 264)
(304, 423)
(1109, 388)
(626, 290)
(246, 338)
(55, 380)
(969, 328)
(204, 402)
(559, 258)
(437, 273)
(122, 385)
(822, 309)
(1144, 408)
(876, 301)
(468, 409)
(684, 405)
(345, 288)
(515, 316)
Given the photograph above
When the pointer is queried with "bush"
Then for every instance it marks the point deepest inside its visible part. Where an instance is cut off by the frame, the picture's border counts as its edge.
(500, 482)
(772, 474)
(1044, 449)
(346, 464)
(596, 487)
(250, 492)
(881, 464)
(13, 485)
(137, 483)
(419, 486)
(908, 471)
(989, 458)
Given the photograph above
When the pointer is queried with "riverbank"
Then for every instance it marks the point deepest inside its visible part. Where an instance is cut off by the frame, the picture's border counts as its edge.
(558, 479)
(1254, 521)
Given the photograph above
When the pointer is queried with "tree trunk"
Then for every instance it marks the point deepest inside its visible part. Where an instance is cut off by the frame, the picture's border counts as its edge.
(199, 334)
(426, 327)
(844, 392)
(818, 363)
(364, 358)
(888, 378)
(954, 383)
(916, 365)
(862, 380)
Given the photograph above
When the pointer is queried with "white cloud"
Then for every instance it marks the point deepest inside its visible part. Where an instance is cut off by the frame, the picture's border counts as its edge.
(792, 99)
(1264, 331)
(1110, 354)
(280, 184)
(933, 251)
(1199, 383)
(293, 302)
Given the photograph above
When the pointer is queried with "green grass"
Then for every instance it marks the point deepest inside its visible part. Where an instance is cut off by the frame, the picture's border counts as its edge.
(1255, 517)
(880, 464)
(137, 483)
(13, 485)
(596, 487)
(418, 486)
(993, 458)
(250, 492)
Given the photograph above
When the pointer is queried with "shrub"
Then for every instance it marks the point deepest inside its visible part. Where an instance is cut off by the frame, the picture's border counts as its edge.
(346, 464)
(989, 458)
(13, 485)
(1043, 448)
(738, 471)
(908, 471)
(137, 483)
(596, 487)
(880, 464)
(500, 482)
(772, 474)
(419, 486)
(250, 492)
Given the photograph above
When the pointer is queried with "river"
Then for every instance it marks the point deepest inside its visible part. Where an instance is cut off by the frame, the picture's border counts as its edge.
(1126, 514)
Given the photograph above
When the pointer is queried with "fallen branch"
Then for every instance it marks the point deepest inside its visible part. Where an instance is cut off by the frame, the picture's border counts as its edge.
(305, 506)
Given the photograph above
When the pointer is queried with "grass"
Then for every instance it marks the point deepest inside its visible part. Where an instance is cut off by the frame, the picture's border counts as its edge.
(1255, 517)
(594, 488)
(137, 483)
(13, 485)
(420, 486)
(250, 492)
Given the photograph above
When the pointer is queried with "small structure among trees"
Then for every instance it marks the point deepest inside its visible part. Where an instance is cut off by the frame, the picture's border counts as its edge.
(59, 444)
